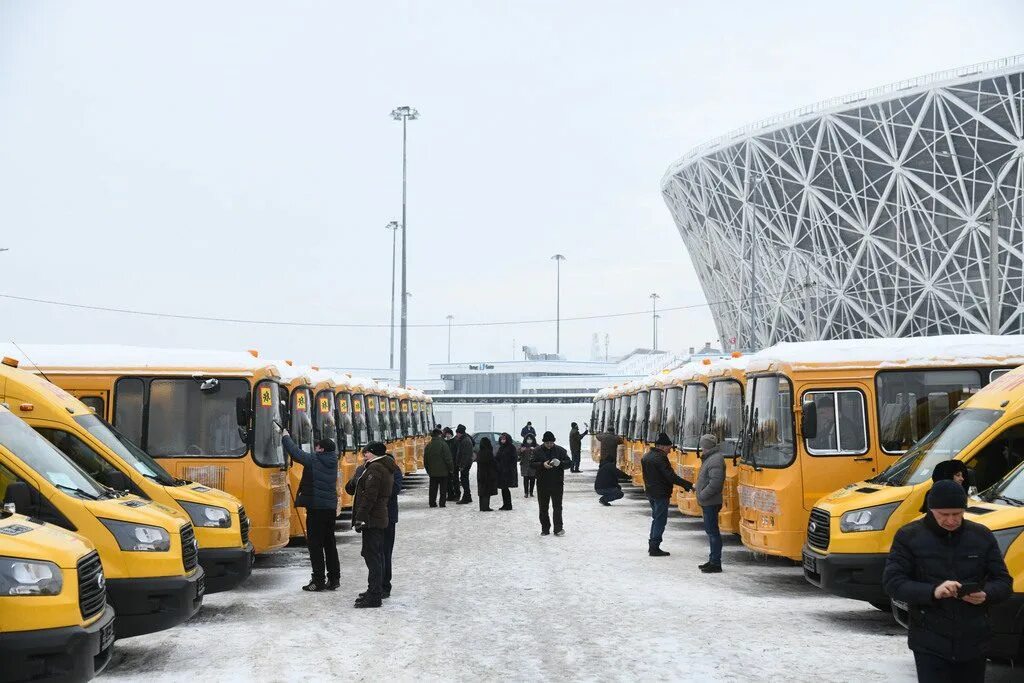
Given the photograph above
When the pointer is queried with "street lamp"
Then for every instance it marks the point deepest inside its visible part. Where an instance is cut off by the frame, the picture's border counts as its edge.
(558, 258)
(393, 227)
(450, 318)
(404, 114)
(654, 319)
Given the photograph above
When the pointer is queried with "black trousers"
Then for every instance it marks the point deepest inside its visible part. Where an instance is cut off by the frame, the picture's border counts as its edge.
(528, 485)
(932, 669)
(575, 462)
(373, 555)
(387, 547)
(506, 498)
(467, 494)
(438, 484)
(453, 487)
(550, 494)
(321, 544)
(485, 501)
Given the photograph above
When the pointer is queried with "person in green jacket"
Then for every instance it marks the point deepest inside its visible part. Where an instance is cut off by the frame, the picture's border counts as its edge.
(437, 460)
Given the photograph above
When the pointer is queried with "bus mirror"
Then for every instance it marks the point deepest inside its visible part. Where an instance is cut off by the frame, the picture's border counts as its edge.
(809, 421)
(242, 411)
(118, 481)
(210, 385)
(20, 496)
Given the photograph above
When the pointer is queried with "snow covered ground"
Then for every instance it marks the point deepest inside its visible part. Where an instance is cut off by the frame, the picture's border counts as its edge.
(482, 596)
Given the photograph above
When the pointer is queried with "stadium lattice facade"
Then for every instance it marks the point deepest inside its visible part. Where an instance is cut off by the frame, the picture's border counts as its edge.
(891, 213)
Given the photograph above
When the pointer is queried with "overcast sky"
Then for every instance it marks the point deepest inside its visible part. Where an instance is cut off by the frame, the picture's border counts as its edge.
(237, 159)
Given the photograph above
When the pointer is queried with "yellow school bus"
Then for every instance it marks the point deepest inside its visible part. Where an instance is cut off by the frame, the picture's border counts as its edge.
(297, 397)
(55, 623)
(206, 416)
(824, 414)
(851, 530)
(685, 407)
(638, 419)
(597, 413)
(349, 434)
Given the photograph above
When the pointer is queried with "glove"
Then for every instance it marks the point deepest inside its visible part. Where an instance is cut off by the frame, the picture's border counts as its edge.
(358, 527)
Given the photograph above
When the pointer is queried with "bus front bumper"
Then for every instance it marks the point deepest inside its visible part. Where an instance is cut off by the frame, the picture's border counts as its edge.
(857, 576)
(150, 605)
(226, 567)
(72, 653)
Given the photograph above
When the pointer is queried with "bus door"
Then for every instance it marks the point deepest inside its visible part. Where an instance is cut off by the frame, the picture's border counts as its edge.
(834, 439)
(97, 400)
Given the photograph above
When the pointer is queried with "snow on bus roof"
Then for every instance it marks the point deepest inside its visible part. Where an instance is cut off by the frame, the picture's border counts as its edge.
(120, 356)
(978, 349)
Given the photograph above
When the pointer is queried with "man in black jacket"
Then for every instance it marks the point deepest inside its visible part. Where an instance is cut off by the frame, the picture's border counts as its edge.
(318, 493)
(606, 483)
(551, 462)
(370, 517)
(576, 445)
(464, 461)
(453, 448)
(948, 570)
(658, 482)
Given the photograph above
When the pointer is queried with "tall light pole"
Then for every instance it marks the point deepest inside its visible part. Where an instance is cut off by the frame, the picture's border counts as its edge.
(404, 114)
(450, 318)
(393, 227)
(558, 258)
(654, 318)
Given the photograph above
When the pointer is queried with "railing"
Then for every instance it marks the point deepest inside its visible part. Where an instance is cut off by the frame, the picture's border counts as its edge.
(852, 98)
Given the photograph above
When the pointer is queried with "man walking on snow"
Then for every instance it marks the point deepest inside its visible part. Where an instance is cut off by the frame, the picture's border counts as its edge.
(658, 482)
(710, 482)
(576, 445)
(550, 461)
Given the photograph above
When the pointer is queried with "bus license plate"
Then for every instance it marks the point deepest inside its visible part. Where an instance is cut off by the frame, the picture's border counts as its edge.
(106, 636)
(810, 564)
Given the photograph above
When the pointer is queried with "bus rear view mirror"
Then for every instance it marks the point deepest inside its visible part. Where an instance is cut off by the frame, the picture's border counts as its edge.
(210, 385)
(809, 421)
(242, 411)
(20, 496)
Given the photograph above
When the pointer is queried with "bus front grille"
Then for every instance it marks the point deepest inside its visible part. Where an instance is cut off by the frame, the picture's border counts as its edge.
(92, 588)
(818, 529)
(189, 548)
(243, 522)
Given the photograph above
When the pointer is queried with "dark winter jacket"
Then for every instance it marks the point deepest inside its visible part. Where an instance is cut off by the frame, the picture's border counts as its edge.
(711, 479)
(924, 555)
(658, 475)
(576, 440)
(318, 487)
(507, 459)
(553, 476)
(526, 461)
(527, 430)
(464, 449)
(486, 472)
(608, 476)
(372, 487)
(609, 446)
(437, 458)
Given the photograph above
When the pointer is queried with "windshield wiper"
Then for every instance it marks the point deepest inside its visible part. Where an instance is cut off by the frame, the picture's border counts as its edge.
(1012, 501)
(72, 489)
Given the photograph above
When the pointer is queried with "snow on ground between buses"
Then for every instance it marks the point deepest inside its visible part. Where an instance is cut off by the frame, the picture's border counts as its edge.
(482, 596)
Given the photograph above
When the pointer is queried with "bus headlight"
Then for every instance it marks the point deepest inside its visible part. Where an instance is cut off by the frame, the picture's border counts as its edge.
(138, 537)
(1006, 537)
(207, 515)
(29, 577)
(867, 519)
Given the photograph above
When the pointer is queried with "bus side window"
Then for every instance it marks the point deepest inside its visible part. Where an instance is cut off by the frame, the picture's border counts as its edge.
(842, 428)
(128, 408)
(1001, 455)
(96, 403)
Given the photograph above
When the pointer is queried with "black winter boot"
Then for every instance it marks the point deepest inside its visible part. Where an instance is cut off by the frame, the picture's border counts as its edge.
(654, 549)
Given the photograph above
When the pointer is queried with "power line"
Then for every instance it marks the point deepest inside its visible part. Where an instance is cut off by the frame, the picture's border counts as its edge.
(288, 323)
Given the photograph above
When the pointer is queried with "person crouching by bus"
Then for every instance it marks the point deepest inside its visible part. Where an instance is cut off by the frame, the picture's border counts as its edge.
(658, 482)
(710, 482)
(948, 570)
(372, 490)
(606, 483)
(437, 461)
(318, 493)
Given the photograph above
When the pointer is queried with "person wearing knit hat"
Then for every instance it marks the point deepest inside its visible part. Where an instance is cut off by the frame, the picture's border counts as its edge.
(948, 570)
(658, 482)
(710, 482)
(550, 461)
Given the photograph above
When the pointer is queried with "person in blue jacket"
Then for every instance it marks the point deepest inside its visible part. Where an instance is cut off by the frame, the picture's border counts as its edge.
(318, 493)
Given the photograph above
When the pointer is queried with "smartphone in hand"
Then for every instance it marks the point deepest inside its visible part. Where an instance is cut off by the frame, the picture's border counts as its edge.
(968, 588)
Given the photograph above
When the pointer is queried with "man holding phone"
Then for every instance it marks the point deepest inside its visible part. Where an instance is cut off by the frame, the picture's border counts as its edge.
(948, 570)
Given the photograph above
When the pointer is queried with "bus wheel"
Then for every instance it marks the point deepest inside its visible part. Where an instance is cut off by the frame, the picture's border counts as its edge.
(883, 606)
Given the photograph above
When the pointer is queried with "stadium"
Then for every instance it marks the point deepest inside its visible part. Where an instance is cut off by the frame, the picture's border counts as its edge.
(893, 212)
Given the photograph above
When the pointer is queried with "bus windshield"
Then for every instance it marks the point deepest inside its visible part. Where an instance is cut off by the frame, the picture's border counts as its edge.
(359, 418)
(770, 410)
(911, 402)
(949, 437)
(654, 421)
(126, 450)
(674, 403)
(1009, 490)
(301, 422)
(267, 450)
(185, 420)
(638, 425)
(46, 460)
(726, 414)
(695, 405)
(344, 400)
(326, 427)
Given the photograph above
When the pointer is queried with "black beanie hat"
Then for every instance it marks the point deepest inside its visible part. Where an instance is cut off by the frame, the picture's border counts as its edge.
(947, 495)
(327, 445)
(663, 440)
(548, 436)
(376, 447)
(461, 429)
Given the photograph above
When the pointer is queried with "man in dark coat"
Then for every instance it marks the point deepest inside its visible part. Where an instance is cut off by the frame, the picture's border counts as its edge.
(609, 445)
(658, 482)
(437, 461)
(388, 546)
(551, 461)
(318, 493)
(464, 461)
(709, 486)
(606, 483)
(948, 570)
(454, 493)
(372, 490)
(507, 459)
(576, 445)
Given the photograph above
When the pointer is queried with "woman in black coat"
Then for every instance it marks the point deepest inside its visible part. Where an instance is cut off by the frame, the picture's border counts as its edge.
(955, 470)
(508, 476)
(486, 474)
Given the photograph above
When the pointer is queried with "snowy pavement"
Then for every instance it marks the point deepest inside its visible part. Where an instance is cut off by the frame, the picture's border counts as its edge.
(482, 596)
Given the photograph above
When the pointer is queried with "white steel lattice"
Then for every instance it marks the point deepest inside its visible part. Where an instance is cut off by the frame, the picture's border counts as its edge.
(865, 220)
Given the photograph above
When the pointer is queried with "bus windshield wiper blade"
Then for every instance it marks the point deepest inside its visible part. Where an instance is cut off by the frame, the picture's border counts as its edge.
(73, 489)
(1012, 501)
